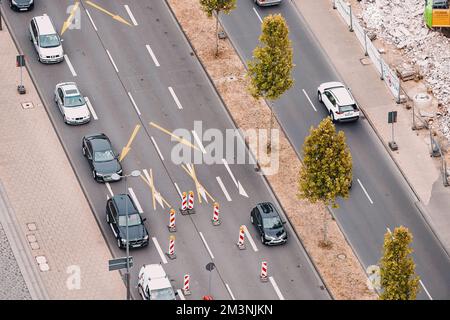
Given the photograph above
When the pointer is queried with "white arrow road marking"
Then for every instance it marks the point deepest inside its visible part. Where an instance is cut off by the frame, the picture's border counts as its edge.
(108, 186)
(174, 96)
(426, 291)
(92, 21)
(250, 239)
(259, 17)
(69, 64)
(91, 109)
(150, 51)
(224, 190)
(199, 142)
(237, 183)
(277, 290)
(229, 291)
(206, 245)
(180, 294)
(131, 15)
(135, 200)
(158, 248)
(307, 97)
(364, 189)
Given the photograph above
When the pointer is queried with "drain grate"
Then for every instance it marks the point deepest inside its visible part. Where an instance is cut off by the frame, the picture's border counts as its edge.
(27, 105)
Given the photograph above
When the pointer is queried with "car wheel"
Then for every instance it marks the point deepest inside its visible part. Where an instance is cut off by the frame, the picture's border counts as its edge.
(251, 219)
(332, 117)
(107, 218)
(119, 243)
(262, 239)
(319, 96)
(65, 119)
(94, 175)
(84, 151)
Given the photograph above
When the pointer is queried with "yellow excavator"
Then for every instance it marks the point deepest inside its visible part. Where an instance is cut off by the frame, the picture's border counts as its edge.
(437, 13)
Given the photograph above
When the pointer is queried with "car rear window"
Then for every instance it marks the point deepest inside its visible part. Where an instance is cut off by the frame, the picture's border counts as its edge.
(350, 107)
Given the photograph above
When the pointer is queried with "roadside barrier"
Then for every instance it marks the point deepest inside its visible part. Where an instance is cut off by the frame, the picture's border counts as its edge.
(171, 253)
(171, 225)
(183, 208)
(263, 275)
(215, 219)
(240, 242)
(191, 202)
(187, 279)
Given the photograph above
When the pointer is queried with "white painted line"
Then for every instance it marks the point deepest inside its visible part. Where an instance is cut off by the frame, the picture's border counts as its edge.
(158, 248)
(108, 186)
(250, 239)
(277, 290)
(180, 294)
(207, 247)
(112, 61)
(199, 142)
(426, 291)
(131, 15)
(134, 103)
(259, 17)
(66, 57)
(178, 189)
(364, 189)
(229, 291)
(307, 97)
(92, 21)
(174, 96)
(224, 190)
(225, 163)
(157, 148)
(152, 55)
(91, 109)
(135, 200)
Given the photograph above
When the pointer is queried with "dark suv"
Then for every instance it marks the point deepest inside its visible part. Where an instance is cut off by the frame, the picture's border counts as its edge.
(21, 5)
(116, 209)
(269, 224)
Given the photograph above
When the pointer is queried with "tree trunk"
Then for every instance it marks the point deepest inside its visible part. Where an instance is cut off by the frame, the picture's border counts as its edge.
(272, 116)
(217, 33)
(325, 229)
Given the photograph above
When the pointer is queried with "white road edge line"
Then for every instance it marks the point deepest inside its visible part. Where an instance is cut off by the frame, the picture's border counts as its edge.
(108, 186)
(206, 244)
(250, 239)
(131, 15)
(149, 49)
(199, 142)
(229, 291)
(134, 103)
(157, 148)
(91, 109)
(66, 57)
(180, 294)
(112, 61)
(92, 21)
(158, 248)
(259, 17)
(277, 290)
(178, 190)
(224, 190)
(307, 97)
(364, 189)
(135, 200)
(174, 96)
(426, 291)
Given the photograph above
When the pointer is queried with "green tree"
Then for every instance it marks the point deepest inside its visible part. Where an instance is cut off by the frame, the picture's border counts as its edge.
(271, 67)
(327, 168)
(211, 7)
(397, 268)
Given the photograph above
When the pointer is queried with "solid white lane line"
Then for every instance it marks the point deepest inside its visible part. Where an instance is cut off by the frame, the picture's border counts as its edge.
(108, 186)
(259, 17)
(277, 290)
(178, 190)
(180, 294)
(229, 291)
(174, 96)
(206, 245)
(364, 189)
(135, 200)
(66, 57)
(199, 142)
(152, 55)
(224, 190)
(112, 61)
(426, 291)
(92, 21)
(134, 103)
(225, 163)
(91, 109)
(307, 97)
(131, 15)
(250, 239)
(157, 148)
(158, 248)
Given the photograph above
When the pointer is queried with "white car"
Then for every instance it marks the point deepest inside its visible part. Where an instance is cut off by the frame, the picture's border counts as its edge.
(46, 40)
(339, 101)
(154, 284)
(267, 2)
(71, 103)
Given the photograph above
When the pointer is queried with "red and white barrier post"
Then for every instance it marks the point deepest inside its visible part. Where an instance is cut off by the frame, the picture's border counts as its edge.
(240, 242)
(171, 225)
(183, 208)
(187, 279)
(263, 275)
(215, 219)
(171, 253)
(191, 202)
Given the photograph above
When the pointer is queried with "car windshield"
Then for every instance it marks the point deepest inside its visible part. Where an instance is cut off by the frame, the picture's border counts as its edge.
(133, 220)
(74, 101)
(272, 223)
(103, 156)
(49, 41)
(163, 294)
(350, 107)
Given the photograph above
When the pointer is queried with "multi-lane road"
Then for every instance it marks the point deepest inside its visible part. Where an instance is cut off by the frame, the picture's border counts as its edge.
(142, 77)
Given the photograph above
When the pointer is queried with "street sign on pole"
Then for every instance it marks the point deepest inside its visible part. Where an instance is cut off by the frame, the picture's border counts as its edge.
(119, 263)
(210, 267)
(20, 63)
(392, 118)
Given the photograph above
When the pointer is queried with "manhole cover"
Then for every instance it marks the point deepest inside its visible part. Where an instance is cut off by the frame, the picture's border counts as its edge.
(27, 105)
(365, 61)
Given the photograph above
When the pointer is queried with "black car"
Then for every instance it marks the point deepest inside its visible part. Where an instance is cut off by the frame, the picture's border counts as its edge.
(104, 162)
(21, 5)
(116, 212)
(269, 224)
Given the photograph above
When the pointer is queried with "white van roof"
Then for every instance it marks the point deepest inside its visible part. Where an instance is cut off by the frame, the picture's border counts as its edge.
(45, 25)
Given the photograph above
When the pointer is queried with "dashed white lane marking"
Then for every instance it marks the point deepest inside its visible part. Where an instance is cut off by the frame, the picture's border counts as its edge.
(66, 58)
(91, 109)
(174, 96)
(364, 189)
(307, 97)
(135, 200)
(178, 190)
(157, 148)
(250, 239)
(224, 190)
(206, 245)
(112, 61)
(131, 15)
(180, 294)
(426, 291)
(108, 186)
(149, 49)
(229, 291)
(92, 21)
(275, 286)
(259, 17)
(158, 248)
(199, 142)
(134, 103)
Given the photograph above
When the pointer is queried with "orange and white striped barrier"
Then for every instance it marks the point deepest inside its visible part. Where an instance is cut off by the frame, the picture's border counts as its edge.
(240, 242)
(263, 275)
(171, 253)
(215, 219)
(187, 279)
(183, 208)
(171, 225)
(191, 202)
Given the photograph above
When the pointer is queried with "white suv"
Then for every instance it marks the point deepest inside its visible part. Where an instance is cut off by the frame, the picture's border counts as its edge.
(339, 101)
(71, 103)
(46, 40)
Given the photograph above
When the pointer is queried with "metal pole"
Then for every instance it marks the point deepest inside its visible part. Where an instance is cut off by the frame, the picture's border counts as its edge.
(365, 44)
(399, 90)
(393, 131)
(1, 27)
(382, 71)
(209, 291)
(351, 18)
(334, 4)
(127, 244)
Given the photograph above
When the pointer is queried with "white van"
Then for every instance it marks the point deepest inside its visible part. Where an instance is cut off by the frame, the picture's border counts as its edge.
(46, 40)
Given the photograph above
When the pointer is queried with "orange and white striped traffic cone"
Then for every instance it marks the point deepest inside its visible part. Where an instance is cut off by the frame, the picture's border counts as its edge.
(171, 253)
(183, 208)
(240, 242)
(263, 275)
(187, 279)
(191, 202)
(215, 219)
(171, 225)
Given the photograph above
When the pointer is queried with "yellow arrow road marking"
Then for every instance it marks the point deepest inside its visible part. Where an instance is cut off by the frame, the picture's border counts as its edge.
(127, 148)
(70, 18)
(114, 16)
(179, 139)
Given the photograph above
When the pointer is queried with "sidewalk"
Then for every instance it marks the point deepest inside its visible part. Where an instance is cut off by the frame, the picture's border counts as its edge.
(53, 217)
(413, 157)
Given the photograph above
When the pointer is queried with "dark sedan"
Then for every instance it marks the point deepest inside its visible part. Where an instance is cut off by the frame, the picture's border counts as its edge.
(269, 224)
(21, 5)
(103, 161)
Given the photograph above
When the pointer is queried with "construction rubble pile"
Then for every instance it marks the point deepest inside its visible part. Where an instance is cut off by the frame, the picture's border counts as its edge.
(400, 23)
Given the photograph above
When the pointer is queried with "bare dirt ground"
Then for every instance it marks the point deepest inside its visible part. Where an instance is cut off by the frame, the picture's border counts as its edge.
(338, 265)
